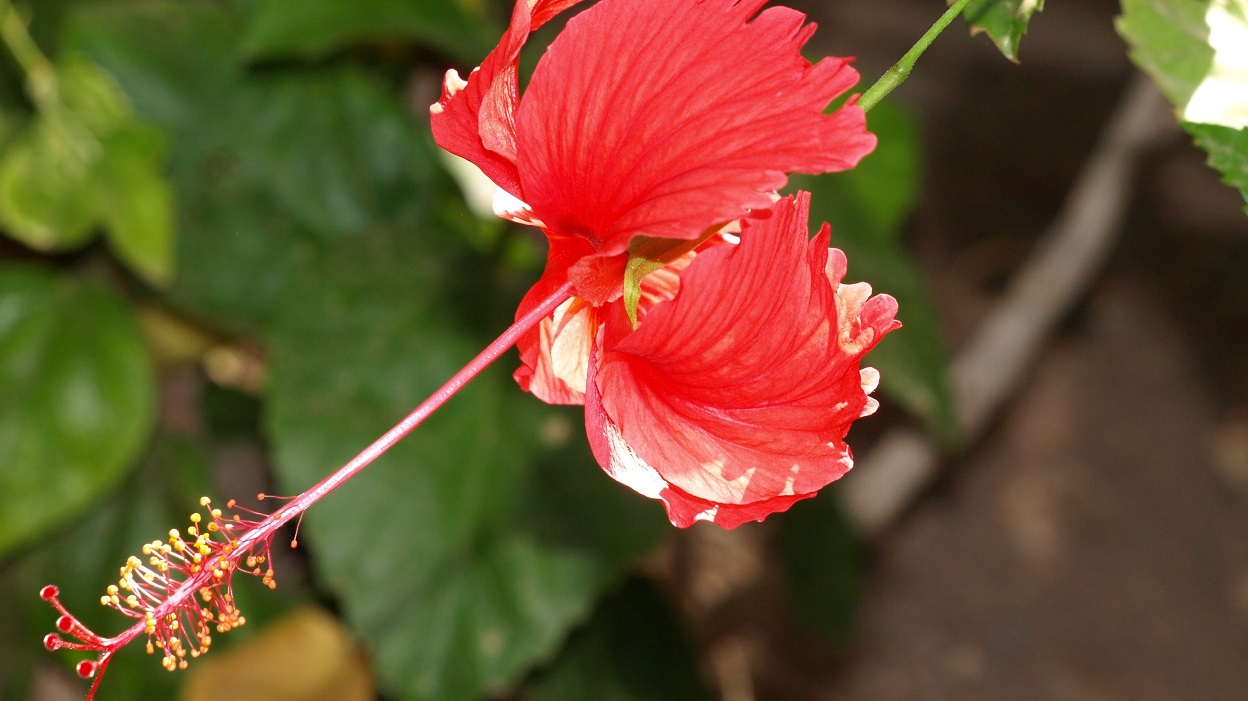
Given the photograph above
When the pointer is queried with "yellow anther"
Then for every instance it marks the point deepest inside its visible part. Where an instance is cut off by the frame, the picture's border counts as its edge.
(216, 513)
(204, 501)
(112, 589)
(192, 530)
(213, 527)
(133, 600)
(150, 649)
(195, 518)
(104, 600)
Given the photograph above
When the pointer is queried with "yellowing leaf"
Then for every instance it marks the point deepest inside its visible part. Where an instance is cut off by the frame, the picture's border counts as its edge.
(306, 656)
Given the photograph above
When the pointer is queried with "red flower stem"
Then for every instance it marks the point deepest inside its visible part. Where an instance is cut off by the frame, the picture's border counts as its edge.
(301, 503)
(400, 430)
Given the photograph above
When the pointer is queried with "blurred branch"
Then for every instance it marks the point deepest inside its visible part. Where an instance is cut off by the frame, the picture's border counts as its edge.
(40, 76)
(989, 369)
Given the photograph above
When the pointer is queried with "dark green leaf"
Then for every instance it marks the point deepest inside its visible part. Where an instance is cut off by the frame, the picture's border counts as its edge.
(633, 649)
(314, 28)
(867, 208)
(1005, 21)
(430, 550)
(822, 566)
(268, 165)
(78, 400)
(1228, 152)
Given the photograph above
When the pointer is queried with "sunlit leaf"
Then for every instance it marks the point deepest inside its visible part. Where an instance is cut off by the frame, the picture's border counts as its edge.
(1004, 21)
(78, 400)
(1195, 51)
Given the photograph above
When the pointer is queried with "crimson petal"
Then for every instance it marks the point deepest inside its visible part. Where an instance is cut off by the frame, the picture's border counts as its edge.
(662, 118)
(475, 119)
(731, 401)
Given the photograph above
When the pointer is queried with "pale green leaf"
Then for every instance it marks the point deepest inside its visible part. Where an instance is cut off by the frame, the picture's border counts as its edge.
(46, 199)
(136, 202)
(1197, 53)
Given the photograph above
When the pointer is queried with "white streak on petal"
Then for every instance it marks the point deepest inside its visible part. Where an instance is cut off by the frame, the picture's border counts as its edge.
(628, 468)
(788, 483)
(728, 491)
(708, 515)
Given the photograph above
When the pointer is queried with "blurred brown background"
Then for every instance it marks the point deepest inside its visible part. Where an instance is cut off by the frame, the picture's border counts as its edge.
(1093, 546)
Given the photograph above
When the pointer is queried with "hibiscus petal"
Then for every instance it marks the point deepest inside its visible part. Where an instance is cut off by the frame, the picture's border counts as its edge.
(554, 356)
(738, 393)
(662, 118)
(475, 119)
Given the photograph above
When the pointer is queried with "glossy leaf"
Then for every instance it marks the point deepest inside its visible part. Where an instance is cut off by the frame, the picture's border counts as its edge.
(867, 208)
(1004, 21)
(430, 550)
(633, 649)
(78, 401)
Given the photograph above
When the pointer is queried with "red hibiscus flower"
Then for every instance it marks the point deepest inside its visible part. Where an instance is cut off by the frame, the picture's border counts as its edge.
(720, 378)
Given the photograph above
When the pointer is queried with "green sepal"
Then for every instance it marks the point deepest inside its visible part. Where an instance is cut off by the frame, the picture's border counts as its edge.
(647, 254)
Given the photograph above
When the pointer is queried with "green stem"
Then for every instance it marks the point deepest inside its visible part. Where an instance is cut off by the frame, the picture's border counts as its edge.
(901, 70)
(40, 75)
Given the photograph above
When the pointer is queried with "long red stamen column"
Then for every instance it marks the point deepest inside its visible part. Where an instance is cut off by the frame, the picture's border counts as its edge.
(162, 593)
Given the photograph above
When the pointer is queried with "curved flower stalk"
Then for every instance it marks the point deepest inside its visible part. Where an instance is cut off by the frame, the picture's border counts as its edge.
(713, 344)
(648, 129)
